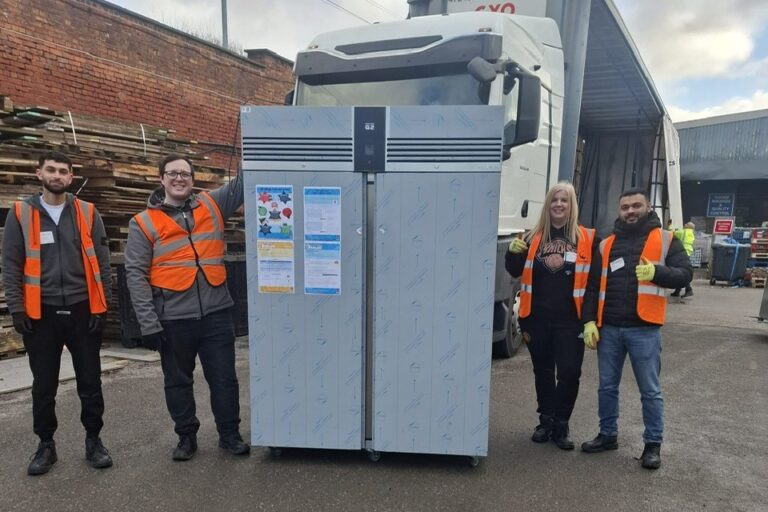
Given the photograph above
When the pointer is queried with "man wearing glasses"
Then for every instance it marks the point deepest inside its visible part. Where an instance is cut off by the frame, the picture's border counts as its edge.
(174, 262)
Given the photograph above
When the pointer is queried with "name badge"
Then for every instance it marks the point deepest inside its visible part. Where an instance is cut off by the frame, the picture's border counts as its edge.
(617, 264)
(570, 257)
(46, 237)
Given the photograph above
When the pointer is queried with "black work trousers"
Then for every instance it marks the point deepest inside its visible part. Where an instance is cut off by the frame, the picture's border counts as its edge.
(212, 337)
(61, 326)
(556, 353)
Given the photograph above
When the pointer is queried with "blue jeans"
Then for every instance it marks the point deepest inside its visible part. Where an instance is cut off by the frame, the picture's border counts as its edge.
(643, 344)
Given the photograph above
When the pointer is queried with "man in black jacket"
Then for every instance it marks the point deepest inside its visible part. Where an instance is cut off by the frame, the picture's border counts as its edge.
(626, 298)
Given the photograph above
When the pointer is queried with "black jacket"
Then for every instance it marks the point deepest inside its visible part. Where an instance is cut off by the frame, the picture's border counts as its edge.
(621, 290)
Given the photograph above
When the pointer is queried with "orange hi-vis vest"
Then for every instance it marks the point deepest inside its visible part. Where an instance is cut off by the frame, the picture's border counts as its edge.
(29, 219)
(178, 254)
(580, 278)
(651, 299)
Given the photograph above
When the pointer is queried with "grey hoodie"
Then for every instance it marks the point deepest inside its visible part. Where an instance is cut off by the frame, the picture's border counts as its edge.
(62, 273)
(153, 305)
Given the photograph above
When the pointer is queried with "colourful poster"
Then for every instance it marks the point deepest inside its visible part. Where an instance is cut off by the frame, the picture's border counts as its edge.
(274, 207)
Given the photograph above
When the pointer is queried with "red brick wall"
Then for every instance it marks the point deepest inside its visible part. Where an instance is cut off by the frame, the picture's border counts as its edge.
(91, 58)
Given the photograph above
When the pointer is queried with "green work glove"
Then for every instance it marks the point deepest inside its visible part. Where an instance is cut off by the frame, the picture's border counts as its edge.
(518, 246)
(645, 270)
(591, 335)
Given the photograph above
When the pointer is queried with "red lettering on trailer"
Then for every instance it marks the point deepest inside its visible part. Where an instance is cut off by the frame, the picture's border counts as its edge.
(508, 7)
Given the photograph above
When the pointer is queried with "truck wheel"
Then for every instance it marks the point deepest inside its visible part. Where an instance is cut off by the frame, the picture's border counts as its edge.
(506, 348)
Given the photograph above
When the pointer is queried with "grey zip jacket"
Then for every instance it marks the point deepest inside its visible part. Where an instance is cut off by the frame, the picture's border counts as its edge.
(62, 273)
(153, 305)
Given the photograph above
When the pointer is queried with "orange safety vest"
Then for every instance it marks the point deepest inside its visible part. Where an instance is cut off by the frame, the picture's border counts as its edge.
(29, 219)
(651, 299)
(177, 255)
(580, 278)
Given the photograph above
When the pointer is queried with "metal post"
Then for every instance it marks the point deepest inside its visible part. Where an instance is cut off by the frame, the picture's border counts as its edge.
(224, 38)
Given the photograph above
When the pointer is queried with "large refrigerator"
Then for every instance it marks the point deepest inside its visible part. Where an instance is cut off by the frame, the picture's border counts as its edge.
(371, 247)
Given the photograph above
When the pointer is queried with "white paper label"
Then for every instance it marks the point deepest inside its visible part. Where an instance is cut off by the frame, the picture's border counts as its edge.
(617, 264)
(46, 237)
(570, 257)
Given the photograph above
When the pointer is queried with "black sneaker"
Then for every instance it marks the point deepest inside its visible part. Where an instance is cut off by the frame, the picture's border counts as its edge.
(186, 448)
(95, 453)
(600, 443)
(43, 459)
(688, 294)
(234, 444)
(543, 430)
(651, 457)
(559, 435)
(675, 293)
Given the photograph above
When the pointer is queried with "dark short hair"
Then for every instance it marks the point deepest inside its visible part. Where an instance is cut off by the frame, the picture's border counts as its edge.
(634, 191)
(54, 156)
(172, 158)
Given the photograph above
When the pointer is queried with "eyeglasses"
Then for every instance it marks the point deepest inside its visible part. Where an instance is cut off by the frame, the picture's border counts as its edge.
(179, 174)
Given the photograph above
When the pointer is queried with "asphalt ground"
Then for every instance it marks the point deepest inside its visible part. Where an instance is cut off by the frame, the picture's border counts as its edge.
(715, 455)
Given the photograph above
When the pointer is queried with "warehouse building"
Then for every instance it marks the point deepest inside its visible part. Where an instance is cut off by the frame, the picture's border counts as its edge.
(724, 169)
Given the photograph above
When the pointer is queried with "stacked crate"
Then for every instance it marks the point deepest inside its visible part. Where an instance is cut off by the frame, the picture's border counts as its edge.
(759, 262)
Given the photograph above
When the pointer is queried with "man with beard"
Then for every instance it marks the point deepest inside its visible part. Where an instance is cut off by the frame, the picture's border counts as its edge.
(57, 286)
(174, 262)
(626, 299)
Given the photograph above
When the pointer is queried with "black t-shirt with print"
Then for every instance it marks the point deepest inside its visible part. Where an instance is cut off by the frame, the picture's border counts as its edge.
(553, 279)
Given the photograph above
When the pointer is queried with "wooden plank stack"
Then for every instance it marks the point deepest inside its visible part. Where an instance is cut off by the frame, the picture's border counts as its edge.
(115, 165)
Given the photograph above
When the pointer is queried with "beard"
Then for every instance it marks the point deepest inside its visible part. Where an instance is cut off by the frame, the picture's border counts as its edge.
(55, 188)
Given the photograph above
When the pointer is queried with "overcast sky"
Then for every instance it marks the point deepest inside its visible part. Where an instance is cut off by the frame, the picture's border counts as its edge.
(707, 57)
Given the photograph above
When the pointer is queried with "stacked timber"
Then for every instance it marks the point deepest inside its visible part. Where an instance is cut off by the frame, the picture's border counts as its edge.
(115, 167)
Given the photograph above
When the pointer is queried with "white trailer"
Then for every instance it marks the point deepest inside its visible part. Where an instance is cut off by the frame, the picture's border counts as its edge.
(600, 121)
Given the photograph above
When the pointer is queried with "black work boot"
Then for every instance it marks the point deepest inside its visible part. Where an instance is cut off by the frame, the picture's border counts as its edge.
(688, 293)
(186, 448)
(95, 453)
(600, 444)
(560, 433)
(651, 457)
(543, 430)
(234, 444)
(43, 459)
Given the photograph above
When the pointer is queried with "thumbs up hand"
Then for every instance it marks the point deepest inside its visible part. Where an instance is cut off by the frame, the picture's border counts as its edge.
(645, 270)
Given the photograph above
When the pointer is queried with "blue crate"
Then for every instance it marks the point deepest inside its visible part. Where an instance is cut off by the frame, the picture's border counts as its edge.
(757, 262)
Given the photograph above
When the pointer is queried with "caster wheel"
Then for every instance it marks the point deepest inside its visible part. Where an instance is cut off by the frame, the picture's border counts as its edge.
(275, 452)
(374, 456)
(473, 461)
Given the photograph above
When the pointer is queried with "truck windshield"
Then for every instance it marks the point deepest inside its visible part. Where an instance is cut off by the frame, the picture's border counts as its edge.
(453, 89)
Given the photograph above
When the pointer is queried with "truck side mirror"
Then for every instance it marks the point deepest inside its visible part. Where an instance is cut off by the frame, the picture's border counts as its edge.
(528, 109)
(289, 98)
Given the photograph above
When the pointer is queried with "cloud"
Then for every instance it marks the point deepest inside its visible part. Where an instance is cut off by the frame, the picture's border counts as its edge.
(681, 39)
(759, 100)
(282, 26)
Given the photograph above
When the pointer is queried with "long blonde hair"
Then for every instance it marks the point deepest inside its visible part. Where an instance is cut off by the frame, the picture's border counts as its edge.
(545, 223)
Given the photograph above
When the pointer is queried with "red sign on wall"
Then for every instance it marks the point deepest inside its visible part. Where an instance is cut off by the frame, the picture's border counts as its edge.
(723, 226)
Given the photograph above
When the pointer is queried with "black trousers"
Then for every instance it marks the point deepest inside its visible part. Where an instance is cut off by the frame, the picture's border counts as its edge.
(557, 354)
(61, 326)
(213, 339)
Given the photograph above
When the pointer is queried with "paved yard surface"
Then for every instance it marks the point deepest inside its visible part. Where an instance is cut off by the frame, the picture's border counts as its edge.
(715, 382)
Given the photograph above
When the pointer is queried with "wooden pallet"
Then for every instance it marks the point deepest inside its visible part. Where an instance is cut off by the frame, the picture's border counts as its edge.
(758, 282)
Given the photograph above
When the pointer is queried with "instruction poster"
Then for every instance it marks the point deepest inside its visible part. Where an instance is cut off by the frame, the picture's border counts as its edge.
(275, 266)
(274, 238)
(322, 240)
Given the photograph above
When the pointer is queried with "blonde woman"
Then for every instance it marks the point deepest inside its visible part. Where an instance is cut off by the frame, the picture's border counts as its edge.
(553, 261)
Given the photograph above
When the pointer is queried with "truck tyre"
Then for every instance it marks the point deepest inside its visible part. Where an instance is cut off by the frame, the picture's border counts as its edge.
(507, 347)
